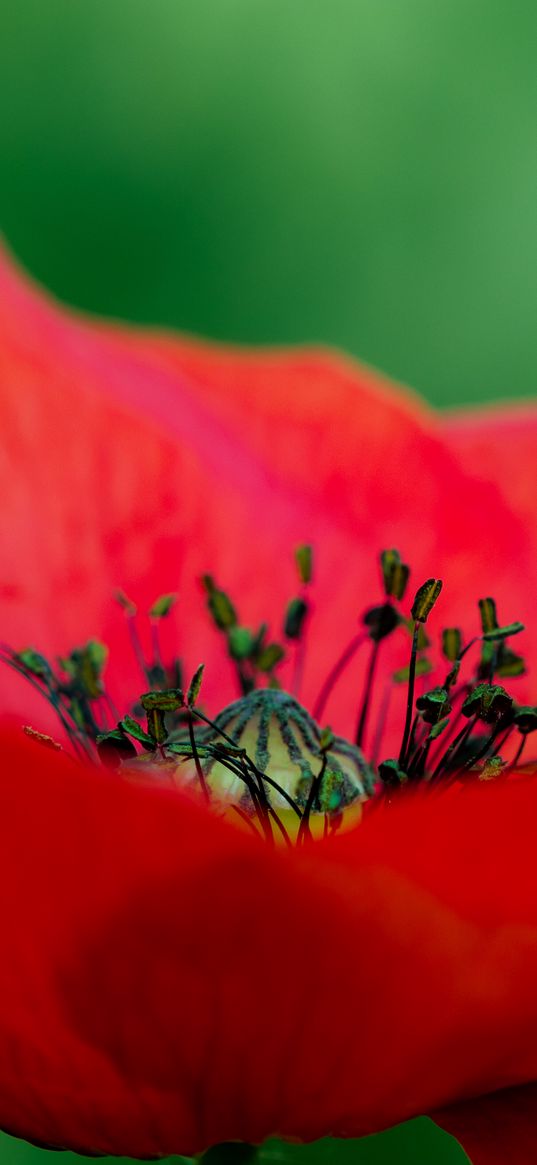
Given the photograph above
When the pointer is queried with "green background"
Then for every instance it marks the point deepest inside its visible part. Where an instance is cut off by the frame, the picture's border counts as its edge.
(358, 172)
(362, 172)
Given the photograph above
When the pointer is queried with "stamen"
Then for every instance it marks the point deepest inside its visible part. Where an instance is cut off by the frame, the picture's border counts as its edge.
(334, 675)
(381, 725)
(518, 754)
(410, 696)
(223, 719)
(423, 604)
(264, 756)
(296, 617)
(42, 738)
(446, 761)
(130, 614)
(32, 668)
(362, 719)
(160, 610)
(262, 725)
(315, 788)
(395, 574)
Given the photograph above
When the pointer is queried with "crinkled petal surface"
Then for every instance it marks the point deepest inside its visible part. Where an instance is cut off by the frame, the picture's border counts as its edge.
(173, 983)
(139, 460)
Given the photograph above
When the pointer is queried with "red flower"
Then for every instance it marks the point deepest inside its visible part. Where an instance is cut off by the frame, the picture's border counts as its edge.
(137, 460)
(170, 982)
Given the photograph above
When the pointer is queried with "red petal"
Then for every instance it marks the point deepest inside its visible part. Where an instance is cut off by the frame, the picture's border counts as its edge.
(496, 1129)
(140, 461)
(497, 444)
(171, 983)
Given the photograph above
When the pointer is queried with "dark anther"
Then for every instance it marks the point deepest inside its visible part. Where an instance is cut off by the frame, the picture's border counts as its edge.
(451, 643)
(525, 719)
(294, 618)
(34, 663)
(498, 633)
(194, 688)
(131, 726)
(269, 656)
(155, 705)
(125, 603)
(487, 610)
(85, 666)
(381, 621)
(162, 606)
(425, 599)
(240, 643)
(395, 574)
(391, 774)
(508, 662)
(114, 747)
(434, 705)
(304, 562)
(489, 702)
(169, 701)
(219, 604)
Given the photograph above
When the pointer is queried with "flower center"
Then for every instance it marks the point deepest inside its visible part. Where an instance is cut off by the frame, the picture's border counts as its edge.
(276, 748)
(264, 757)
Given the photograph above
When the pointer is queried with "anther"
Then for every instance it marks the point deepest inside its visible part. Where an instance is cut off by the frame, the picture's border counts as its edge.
(395, 574)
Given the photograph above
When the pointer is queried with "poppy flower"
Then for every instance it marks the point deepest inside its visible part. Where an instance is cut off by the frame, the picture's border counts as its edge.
(171, 983)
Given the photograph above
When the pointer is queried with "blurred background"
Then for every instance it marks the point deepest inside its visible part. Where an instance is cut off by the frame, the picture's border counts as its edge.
(361, 173)
(357, 172)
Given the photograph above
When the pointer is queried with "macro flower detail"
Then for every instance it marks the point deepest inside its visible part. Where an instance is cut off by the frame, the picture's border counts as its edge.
(192, 985)
(264, 753)
(286, 746)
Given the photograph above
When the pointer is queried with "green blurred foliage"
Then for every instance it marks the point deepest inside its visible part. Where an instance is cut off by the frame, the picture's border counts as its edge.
(418, 1142)
(359, 172)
